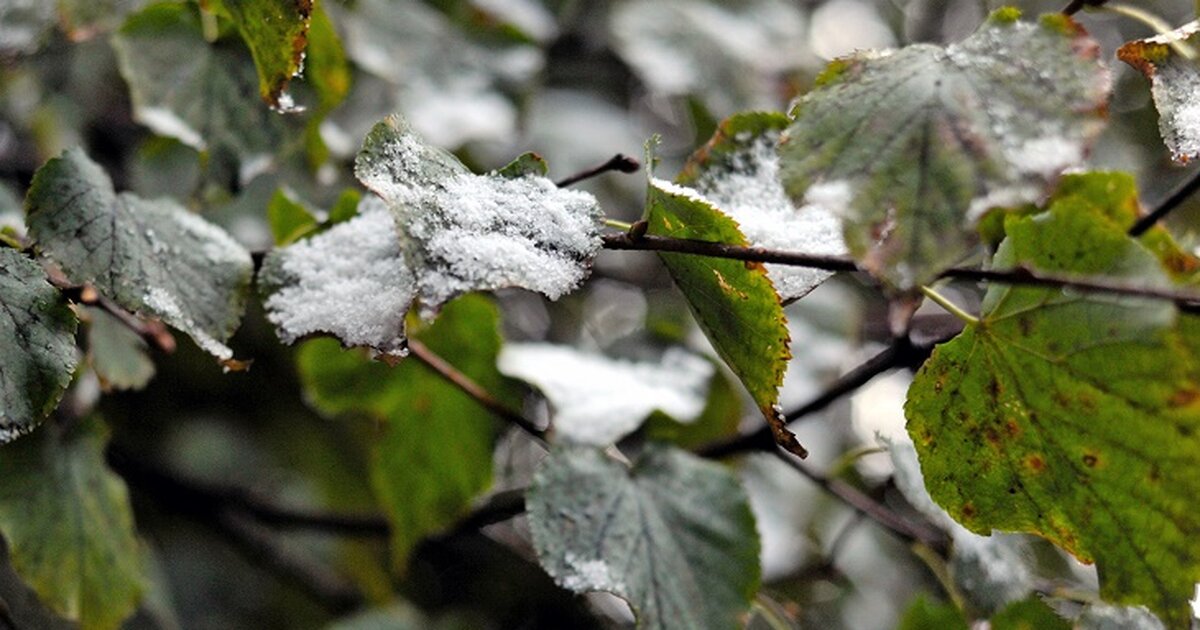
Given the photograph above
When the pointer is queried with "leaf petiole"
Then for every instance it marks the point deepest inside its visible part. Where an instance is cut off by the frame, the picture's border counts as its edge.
(618, 225)
(950, 307)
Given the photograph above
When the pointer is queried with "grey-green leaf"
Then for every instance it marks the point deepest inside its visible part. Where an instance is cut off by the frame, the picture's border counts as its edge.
(69, 526)
(205, 95)
(150, 256)
(673, 535)
(912, 147)
(118, 354)
(37, 345)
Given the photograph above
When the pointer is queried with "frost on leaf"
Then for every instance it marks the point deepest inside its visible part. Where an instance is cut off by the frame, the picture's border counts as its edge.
(150, 256)
(37, 345)
(673, 535)
(912, 147)
(738, 171)
(1074, 416)
(1174, 83)
(598, 400)
(463, 232)
(350, 281)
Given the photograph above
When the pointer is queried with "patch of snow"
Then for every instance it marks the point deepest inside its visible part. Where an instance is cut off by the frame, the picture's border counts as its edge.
(597, 399)
(163, 304)
(350, 281)
(589, 574)
(164, 122)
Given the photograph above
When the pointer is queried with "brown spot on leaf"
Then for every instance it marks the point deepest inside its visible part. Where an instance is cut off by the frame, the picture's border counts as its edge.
(968, 511)
(1013, 427)
(994, 388)
(1025, 322)
(1184, 397)
(1035, 463)
(1091, 460)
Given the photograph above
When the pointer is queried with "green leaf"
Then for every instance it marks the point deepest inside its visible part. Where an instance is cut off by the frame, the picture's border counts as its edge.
(68, 524)
(37, 345)
(290, 220)
(1075, 417)
(1029, 614)
(186, 88)
(924, 614)
(721, 418)
(276, 32)
(738, 171)
(325, 65)
(434, 451)
(464, 232)
(525, 164)
(673, 535)
(733, 301)
(1174, 84)
(350, 281)
(151, 256)
(117, 354)
(912, 148)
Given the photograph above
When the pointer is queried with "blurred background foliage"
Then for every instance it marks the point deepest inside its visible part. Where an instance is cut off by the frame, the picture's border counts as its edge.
(576, 81)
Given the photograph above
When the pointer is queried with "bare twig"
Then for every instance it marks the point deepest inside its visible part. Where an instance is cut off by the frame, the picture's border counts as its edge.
(468, 386)
(1018, 276)
(152, 331)
(1076, 6)
(868, 507)
(1164, 207)
(619, 162)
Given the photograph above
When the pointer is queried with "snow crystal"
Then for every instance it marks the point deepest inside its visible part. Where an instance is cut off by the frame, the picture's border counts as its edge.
(163, 304)
(750, 192)
(589, 574)
(597, 399)
(350, 281)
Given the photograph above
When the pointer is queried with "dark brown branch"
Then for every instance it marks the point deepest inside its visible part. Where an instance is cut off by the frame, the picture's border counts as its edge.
(152, 331)
(619, 162)
(469, 387)
(868, 507)
(1076, 6)
(1164, 207)
(1018, 276)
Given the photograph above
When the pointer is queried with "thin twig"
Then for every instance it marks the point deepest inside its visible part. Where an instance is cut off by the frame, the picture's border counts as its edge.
(1164, 207)
(619, 162)
(152, 331)
(1077, 5)
(902, 353)
(868, 507)
(469, 387)
(1017, 276)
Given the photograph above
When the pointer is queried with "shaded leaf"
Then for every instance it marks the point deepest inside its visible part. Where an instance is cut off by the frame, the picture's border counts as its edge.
(598, 400)
(69, 526)
(276, 32)
(290, 220)
(673, 535)
(37, 345)
(151, 256)
(733, 301)
(186, 88)
(738, 171)
(434, 451)
(463, 232)
(1029, 614)
(912, 147)
(1102, 616)
(721, 417)
(350, 281)
(1073, 417)
(117, 354)
(1174, 83)
(924, 614)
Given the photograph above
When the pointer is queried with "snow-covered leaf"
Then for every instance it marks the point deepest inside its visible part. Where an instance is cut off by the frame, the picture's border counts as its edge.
(117, 354)
(912, 147)
(204, 95)
(463, 232)
(598, 400)
(733, 55)
(673, 535)
(738, 171)
(150, 256)
(68, 524)
(446, 83)
(1101, 616)
(1174, 83)
(37, 345)
(350, 281)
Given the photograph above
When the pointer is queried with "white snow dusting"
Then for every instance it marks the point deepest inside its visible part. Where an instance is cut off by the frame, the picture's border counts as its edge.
(589, 574)
(597, 399)
(351, 281)
(163, 304)
(751, 193)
